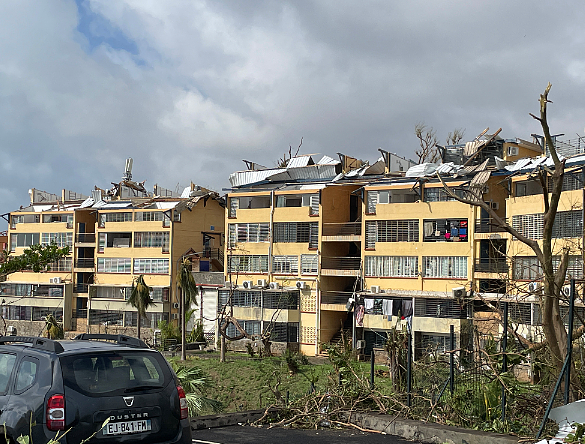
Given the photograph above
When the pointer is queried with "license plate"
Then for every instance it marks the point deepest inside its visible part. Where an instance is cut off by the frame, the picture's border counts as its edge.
(122, 428)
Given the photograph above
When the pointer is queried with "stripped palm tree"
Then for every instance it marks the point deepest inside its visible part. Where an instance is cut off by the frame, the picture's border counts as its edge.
(186, 282)
(140, 298)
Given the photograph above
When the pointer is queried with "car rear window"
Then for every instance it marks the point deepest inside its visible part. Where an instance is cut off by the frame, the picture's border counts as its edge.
(106, 373)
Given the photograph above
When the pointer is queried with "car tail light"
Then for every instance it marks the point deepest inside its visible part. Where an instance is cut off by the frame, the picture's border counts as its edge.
(183, 402)
(56, 413)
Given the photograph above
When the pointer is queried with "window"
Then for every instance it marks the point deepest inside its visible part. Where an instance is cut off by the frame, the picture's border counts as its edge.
(50, 218)
(253, 328)
(575, 268)
(152, 239)
(445, 267)
(299, 200)
(26, 375)
(24, 219)
(114, 240)
(23, 240)
(285, 264)
(114, 265)
(567, 224)
(114, 217)
(63, 264)
(234, 204)
(248, 264)
(438, 194)
(151, 266)
(445, 230)
(435, 343)
(439, 308)
(299, 232)
(391, 231)
(149, 216)
(371, 202)
(259, 232)
(159, 294)
(309, 263)
(391, 266)
(60, 239)
(7, 361)
(240, 298)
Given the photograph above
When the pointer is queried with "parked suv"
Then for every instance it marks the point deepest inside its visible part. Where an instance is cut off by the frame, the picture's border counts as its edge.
(48, 386)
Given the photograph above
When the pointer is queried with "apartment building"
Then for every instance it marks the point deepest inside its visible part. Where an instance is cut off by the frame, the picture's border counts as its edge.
(114, 235)
(316, 247)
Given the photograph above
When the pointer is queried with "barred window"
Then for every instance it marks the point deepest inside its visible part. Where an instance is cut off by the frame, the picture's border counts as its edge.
(248, 264)
(285, 264)
(115, 217)
(299, 232)
(23, 240)
(438, 194)
(114, 265)
(152, 239)
(372, 202)
(439, 308)
(149, 216)
(391, 266)
(234, 204)
(309, 263)
(391, 231)
(445, 267)
(60, 239)
(151, 266)
(527, 268)
(568, 224)
(445, 230)
(250, 232)
(575, 268)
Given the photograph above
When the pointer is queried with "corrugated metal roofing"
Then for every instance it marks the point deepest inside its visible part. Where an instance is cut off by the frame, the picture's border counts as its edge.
(326, 160)
(240, 178)
(299, 161)
(424, 169)
(312, 172)
(480, 179)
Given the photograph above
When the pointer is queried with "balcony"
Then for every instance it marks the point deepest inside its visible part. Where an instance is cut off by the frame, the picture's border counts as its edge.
(491, 265)
(85, 263)
(488, 226)
(335, 297)
(342, 232)
(85, 240)
(81, 288)
(340, 266)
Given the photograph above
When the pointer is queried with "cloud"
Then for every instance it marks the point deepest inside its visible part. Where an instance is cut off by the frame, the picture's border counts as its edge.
(189, 89)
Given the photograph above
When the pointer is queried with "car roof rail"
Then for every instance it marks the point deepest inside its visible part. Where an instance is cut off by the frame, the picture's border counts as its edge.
(128, 341)
(35, 341)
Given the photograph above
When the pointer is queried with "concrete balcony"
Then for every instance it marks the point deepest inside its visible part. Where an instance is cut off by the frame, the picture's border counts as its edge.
(86, 240)
(340, 266)
(342, 232)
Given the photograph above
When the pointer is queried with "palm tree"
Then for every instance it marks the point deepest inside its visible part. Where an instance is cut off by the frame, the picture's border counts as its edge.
(140, 298)
(186, 282)
(193, 380)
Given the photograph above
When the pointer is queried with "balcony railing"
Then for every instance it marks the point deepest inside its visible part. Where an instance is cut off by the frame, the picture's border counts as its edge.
(84, 263)
(81, 288)
(335, 297)
(86, 238)
(488, 226)
(79, 313)
(213, 253)
(341, 263)
(342, 229)
(491, 265)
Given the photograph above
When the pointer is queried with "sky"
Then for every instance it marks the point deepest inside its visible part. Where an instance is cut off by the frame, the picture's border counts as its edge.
(189, 89)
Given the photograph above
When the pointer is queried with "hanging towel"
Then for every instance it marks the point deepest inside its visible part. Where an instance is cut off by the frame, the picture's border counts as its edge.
(406, 308)
(387, 308)
(428, 229)
(369, 305)
(359, 316)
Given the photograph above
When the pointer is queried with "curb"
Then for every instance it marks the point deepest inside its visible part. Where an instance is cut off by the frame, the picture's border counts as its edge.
(404, 428)
(427, 432)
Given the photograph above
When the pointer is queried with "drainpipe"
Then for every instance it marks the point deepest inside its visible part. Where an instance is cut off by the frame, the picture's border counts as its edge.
(271, 231)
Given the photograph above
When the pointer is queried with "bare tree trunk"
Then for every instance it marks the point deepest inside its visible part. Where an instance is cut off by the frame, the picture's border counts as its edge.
(182, 321)
(222, 349)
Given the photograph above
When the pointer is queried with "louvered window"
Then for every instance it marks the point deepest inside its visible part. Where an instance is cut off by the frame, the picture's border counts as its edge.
(252, 232)
(234, 204)
(445, 267)
(297, 232)
(391, 231)
(528, 225)
(371, 202)
(248, 264)
(567, 224)
(371, 234)
(391, 266)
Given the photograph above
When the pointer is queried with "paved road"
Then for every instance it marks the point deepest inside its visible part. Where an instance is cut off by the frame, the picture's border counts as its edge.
(248, 434)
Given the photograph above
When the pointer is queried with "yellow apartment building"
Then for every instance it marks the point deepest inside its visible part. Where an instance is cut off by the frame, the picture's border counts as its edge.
(114, 236)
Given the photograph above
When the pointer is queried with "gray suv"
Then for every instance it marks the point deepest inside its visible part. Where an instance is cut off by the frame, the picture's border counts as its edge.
(75, 385)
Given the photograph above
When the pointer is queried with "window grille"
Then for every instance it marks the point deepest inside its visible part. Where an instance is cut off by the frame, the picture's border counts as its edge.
(574, 269)
(314, 204)
(288, 300)
(114, 265)
(371, 234)
(438, 194)
(445, 267)
(149, 216)
(152, 239)
(439, 308)
(568, 224)
(248, 264)
(151, 266)
(391, 266)
(285, 264)
(391, 231)
(309, 263)
(445, 230)
(299, 232)
(234, 204)
(250, 232)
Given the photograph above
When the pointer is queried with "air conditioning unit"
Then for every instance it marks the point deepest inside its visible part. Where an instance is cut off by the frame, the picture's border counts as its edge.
(512, 151)
(533, 287)
(261, 283)
(175, 315)
(175, 305)
(495, 205)
(566, 291)
(301, 285)
(360, 344)
(375, 289)
(459, 292)
(274, 285)
(248, 285)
